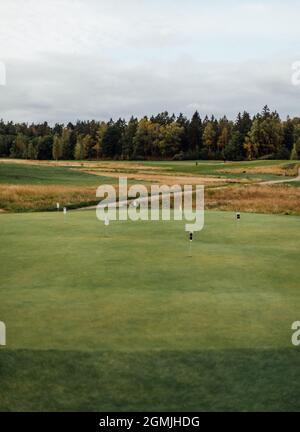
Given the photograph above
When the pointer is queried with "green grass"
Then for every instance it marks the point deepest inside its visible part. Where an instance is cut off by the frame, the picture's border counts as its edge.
(215, 168)
(120, 318)
(18, 174)
(294, 183)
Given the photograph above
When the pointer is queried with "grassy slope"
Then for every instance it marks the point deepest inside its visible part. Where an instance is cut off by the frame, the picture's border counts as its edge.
(17, 173)
(25, 187)
(216, 167)
(121, 318)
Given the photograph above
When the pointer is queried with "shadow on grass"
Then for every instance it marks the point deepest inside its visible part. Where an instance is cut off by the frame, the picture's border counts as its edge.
(243, 380)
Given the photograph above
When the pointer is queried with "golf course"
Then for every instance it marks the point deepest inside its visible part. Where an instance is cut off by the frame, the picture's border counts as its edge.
(131, 317)
(149, 213)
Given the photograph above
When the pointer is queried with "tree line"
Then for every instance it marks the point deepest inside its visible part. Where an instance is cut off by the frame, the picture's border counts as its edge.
(162, 136)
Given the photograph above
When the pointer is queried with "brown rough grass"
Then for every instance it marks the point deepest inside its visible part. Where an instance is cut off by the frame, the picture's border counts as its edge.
(280, 199)
(289, 170)
(36, 197)
(166, 179)
(277, 199)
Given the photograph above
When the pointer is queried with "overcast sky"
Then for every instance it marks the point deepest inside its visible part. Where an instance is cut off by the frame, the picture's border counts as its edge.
(94, 59)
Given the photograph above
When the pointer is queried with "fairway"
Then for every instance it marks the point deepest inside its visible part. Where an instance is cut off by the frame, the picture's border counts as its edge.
(121, 318)
(18, 174)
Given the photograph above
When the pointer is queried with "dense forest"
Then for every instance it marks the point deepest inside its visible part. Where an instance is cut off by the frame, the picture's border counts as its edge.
(161, 137)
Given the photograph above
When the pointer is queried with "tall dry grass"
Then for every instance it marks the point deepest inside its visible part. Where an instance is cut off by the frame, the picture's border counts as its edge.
(40, 198)
(279, 199)
(288, 170)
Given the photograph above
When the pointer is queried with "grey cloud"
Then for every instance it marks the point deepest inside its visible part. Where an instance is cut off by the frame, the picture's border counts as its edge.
(70, 59)
(67, 87)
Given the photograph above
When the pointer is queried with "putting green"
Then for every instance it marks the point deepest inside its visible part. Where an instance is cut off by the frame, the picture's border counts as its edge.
(121, 318)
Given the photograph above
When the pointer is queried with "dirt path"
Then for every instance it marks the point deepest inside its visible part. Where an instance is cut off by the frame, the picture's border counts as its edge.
(166, 179)
(130, 201)
(120, 204)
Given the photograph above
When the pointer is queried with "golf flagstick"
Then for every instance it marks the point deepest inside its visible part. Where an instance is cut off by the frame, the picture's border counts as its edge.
(238, 219)
(190, 244)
